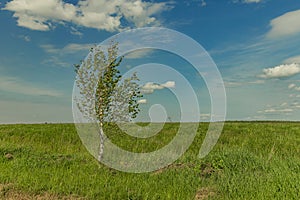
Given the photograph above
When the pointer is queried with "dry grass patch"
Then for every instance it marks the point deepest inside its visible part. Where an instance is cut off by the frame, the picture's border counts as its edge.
(205, 193)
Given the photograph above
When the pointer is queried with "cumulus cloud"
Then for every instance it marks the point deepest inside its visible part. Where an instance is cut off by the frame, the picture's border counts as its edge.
(285, 25)
(100, 14)
(36, 14)
(142, 101)
(169, 84)
(281, 71)
(149, 87)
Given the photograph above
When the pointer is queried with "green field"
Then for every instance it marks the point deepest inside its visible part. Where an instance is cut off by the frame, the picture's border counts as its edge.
(252, 160)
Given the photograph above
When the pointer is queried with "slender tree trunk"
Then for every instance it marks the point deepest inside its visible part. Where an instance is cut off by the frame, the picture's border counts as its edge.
(101, 146)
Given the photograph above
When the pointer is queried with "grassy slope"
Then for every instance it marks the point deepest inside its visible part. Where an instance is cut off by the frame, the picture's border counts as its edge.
(250, 161)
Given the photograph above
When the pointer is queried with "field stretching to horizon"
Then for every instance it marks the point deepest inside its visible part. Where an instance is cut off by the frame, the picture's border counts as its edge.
(252, 160)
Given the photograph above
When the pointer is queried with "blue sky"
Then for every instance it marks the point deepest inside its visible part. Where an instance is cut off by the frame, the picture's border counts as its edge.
(254, 43)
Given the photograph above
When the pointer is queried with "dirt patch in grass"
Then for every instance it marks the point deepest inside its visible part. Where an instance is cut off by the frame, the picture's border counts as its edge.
(174, 166)
(205, 193)
(8, 192)
(207, 170)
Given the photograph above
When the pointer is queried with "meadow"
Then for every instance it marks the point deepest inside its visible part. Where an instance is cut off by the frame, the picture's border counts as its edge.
(252, 160)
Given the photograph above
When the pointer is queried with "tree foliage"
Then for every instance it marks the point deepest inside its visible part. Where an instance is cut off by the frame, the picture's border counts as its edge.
(104, 96)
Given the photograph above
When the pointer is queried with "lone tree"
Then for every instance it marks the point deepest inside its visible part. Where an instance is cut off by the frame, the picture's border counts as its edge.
(104, 97)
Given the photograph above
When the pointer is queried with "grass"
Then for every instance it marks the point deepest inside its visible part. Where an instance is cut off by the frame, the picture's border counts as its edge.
(252, 160)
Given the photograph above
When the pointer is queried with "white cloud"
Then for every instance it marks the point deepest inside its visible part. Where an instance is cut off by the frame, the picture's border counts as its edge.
(232, 84)
(205, 116)
(294, 86)
(285, 108)
(169, 84)
(284, 104)
(68, 49)
(297, 88)
(57, 54)
(36, 14)
(273, 110)
(285, 25)
(203, 3)
(149, 87)
(139, 54)
(142, 101)
(100, 14)
(252, 1)
(248, 1)
(49, 48)
(295, 59)
(237, 83)
(256, 82)
(73, 48)
(281, 71)
(13, 84)
(26, 38)
(56, 61)
(74, 31)
(291, 86)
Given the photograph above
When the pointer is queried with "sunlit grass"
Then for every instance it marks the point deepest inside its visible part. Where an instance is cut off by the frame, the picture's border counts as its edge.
(250, 161)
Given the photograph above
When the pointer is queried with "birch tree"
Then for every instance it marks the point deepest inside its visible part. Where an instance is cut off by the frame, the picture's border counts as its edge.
(104, 95)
